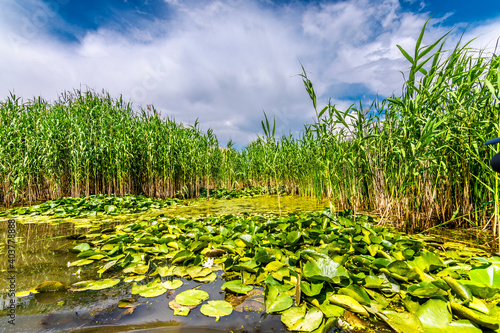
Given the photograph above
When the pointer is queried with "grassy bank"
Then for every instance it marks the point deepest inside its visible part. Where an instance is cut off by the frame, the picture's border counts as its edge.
(417, 157)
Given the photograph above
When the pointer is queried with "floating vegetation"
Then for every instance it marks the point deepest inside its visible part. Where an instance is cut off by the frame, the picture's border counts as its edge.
(92, 206)
(309, 268)
(247, 192)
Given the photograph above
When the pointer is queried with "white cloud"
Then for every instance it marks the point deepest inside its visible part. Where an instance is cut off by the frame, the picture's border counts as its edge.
(220, 61)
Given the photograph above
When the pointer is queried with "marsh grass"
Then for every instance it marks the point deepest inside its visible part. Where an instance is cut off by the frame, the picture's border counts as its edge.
(418, 158)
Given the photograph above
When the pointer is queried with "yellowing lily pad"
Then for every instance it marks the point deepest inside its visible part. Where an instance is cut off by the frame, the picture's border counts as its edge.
(216, 309)
(94, 285)
(191, 297)
(180, 310)
(81, 262)
(174, 284)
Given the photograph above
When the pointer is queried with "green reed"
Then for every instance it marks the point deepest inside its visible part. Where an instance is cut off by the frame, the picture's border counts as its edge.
(417, 158)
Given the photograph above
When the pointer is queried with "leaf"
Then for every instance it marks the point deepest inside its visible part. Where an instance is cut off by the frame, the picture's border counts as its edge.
(437, 318)
(207, 279)
(325, 270)
(174, 284)
(216, 309)
(403, 322)
(276, 301)
(311, 289)
(94, 285)
(81, 247)
(348, 303)
(191, 297)
(236, 286)
(180, 310)
(299, 319)
(425, 290)
(427, 262)
(153, 289)
(489, 276)
(81, 262)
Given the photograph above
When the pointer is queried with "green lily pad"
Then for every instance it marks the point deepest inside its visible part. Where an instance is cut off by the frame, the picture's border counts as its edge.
(191, 297)
(436, 317)
(489, 276)
(80, 247)
(207, 279)
(324, 269)
(276, 301)
(94, 285)
(236, 286)
(174, 284)
(427, 261)
(311, 289)
(216, 309)
(300, 319)
(153, 289)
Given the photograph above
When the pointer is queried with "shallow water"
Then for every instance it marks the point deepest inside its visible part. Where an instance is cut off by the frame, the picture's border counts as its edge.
(41, 255)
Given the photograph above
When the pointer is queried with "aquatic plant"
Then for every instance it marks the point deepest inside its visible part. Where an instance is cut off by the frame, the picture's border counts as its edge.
(311, 267)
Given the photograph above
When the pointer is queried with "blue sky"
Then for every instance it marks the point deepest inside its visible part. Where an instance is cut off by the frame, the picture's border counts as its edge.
(224, 62)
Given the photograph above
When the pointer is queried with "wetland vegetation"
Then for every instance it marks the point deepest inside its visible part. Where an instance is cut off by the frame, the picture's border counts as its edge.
(113, 186)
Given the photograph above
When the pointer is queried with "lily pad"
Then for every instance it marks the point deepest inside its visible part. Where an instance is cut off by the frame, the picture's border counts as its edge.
(216, 309)
(324, 269)
(300, 319)
(94, 285)
(403, 322)
(180, 310)
(236, 286)
(276, 301)
(191, 297)
(436, 317)
(174, 284)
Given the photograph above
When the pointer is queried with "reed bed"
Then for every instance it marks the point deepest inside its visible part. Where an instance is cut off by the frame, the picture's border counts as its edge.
(418, 157)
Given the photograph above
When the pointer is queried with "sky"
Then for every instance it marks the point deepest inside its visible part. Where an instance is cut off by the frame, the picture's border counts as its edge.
(225, 62)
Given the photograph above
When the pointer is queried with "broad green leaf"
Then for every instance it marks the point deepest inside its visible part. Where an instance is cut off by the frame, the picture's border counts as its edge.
(311, 289)
(301, 319)
(403, 322)
(81, 247)
(436, 317)
(276, 301)
(236, 286)
(325, 270)
(191, 297)
(490, 276)
(216, 309)
(425, 290)
(174, 284)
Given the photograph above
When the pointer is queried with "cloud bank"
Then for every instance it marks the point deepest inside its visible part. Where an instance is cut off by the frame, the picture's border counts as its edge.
(222, 62)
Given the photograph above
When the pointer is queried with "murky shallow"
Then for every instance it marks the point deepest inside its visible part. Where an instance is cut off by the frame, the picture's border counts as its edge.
(42, 255)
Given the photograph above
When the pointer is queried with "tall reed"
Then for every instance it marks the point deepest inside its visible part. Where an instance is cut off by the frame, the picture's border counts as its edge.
(418, 158)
